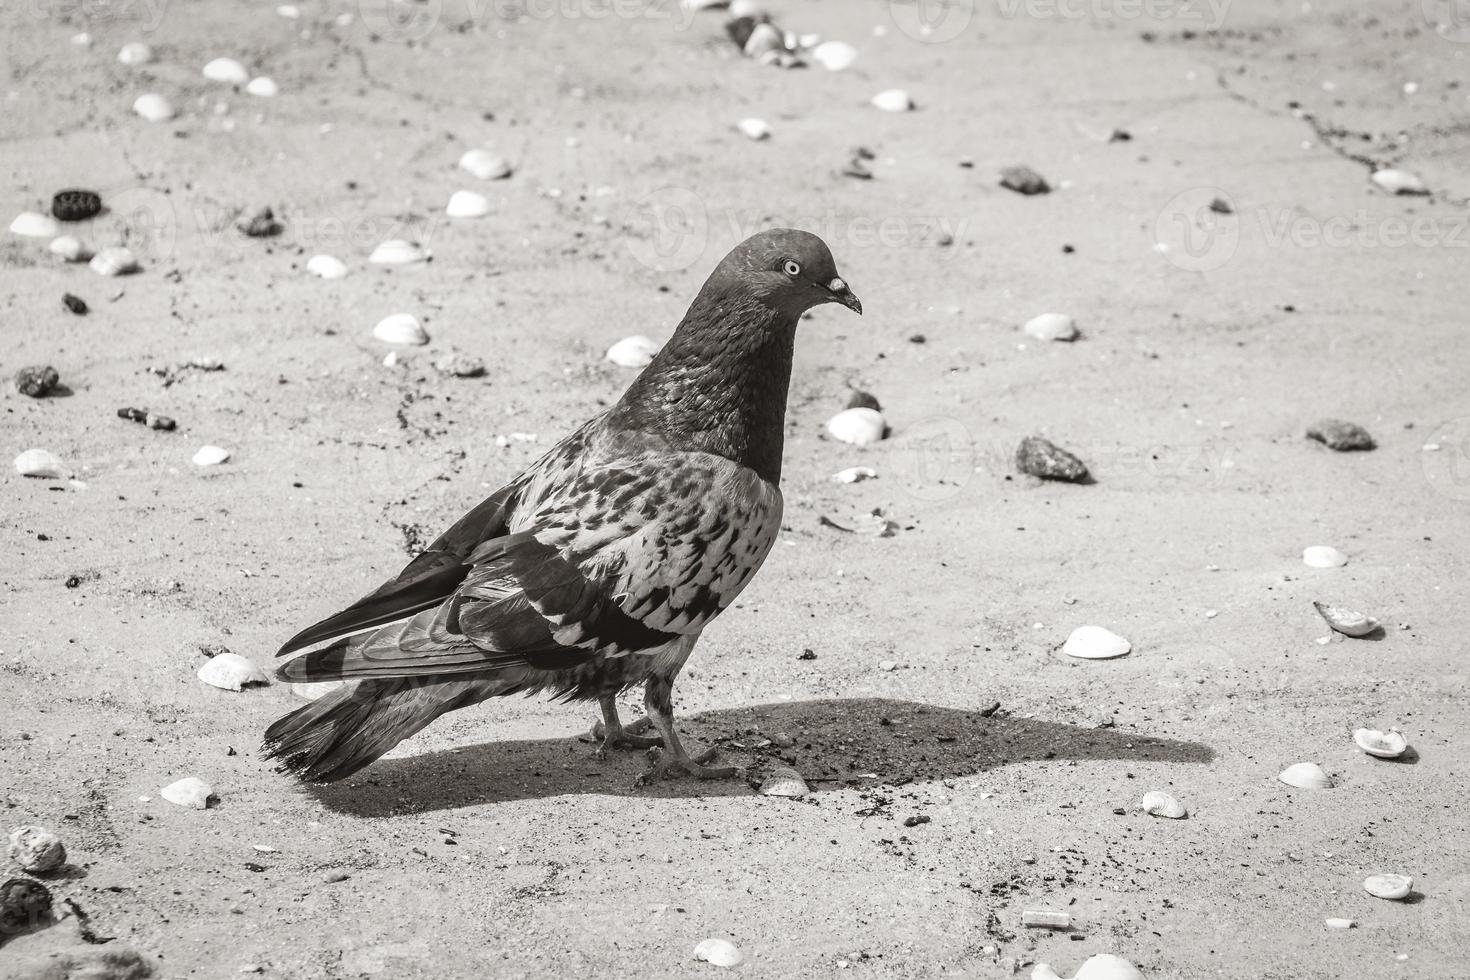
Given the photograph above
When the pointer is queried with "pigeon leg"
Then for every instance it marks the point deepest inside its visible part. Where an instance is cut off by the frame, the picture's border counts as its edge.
(658, 701)
(611, 733)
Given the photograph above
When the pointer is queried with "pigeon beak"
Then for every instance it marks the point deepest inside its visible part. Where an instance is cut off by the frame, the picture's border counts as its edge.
(841, 294)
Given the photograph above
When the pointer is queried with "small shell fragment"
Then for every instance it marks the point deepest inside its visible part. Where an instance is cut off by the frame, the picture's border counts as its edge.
(467, 204)
(1323, 556)
(1390, 886)
(396, 251)
(36, 849)
(401, 328)
(1305, 775)
(1157, 803)
(1103, 966)
(857, 426)
(485, 165)
(135, 53)
(633, 352)
(1346, 621)
(834, 55)
(1385, 745)
(326, 266)
(1051, 326)
(34, 224)
(785, 782)
(230, 672)
(190, 791)
(38, 463)
(153, 107)
(893, 100)
(1340, 923)
(116, 261)
(70, 248)
(226, 70)
(1095, 643)
(263, 87)
(756, 129)
(718, 952)
(854, 474)
(1399, 182)
(210, 456)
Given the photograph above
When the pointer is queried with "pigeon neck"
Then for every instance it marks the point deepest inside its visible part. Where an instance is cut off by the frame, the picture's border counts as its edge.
(719, 385)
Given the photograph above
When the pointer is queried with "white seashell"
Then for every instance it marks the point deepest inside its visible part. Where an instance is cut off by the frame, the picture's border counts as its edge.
(633, 352)
(1340, 923)
(82, 40)
(210, 456)
(71, 248)
(1051, 326)
(263, 86)
(154, 107)
(718, 952)
(1346, 621)
(401, 328)
(36, 849)
(1157, 803)
(893, 100)
(1322, 556)
(326, 266)
(784, 782)
(230, 672)
(265, 849)
(485, 165)
(1385, 745)
(467, 204)
(116, 261)
(1095, 643)
(135, 53)
(854, 474)
(226, 70)
(33, 224)
(189, 791)
(857, 426)
(763, 40)
(390, 359)
(754, 128)
(396, 251)
(1399, 182)
(39, 464)
(1391, 887)
(834, 55)
(1305, 775)
(1103, 966)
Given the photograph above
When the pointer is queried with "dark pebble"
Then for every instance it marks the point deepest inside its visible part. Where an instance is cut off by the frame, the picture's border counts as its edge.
(24, 905)
(858, 169)
(1119, 136)
(1023, 180)
(263, 225)
(132, 414)
(75, 205)
(161, 422)
(1345, 437)
(917, 338)
(75, 303)
(740, 29)
(332, 877)
(72, 581)
(37, 381)
(861, 399)
(1038, 457)
(807, 654)
(916, 820)
(1221, 206)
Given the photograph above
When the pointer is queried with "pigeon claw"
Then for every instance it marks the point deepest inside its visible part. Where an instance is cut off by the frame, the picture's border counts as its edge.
(666, 765)
(627, 737)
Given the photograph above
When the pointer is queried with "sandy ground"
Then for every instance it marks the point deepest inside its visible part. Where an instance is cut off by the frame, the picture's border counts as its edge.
(493, 845)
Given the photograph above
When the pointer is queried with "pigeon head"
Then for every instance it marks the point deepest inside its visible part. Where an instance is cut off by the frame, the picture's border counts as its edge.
(789, 271)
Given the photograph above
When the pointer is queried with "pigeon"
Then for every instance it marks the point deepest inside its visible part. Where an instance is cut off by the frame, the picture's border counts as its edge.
(599, 566)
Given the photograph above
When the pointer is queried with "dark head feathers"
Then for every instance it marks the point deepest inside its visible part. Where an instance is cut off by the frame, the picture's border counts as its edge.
(788, 270)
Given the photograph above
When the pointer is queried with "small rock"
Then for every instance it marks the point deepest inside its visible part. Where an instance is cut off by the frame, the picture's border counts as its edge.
(1399, 182)
(210, 456)
(1051, 326)
(893, 100)
(190, 791)
(24, 905)
(70, 248)
(1342, 436)
(263, 87)
(1039, 457)
(114, 262)
(1023, 180)
(860, 426)
(633, 352)
(154, 107)
(226, 70)
(718, 952)
(75, 205)
(160, 422)
(756, 129)
(332, 877)
(1095, 643)
(262, 225)
(467, 204)
(485, 165)
(134, 53)
(75, 304)
(1323, 556)
(460, 366)
(36, 849)
(37, 381)
(38, 463)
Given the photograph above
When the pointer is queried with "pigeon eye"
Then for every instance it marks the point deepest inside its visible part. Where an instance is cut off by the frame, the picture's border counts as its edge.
(790, 268)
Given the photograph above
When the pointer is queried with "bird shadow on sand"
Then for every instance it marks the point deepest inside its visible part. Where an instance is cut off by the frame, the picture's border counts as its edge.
(838, 743)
